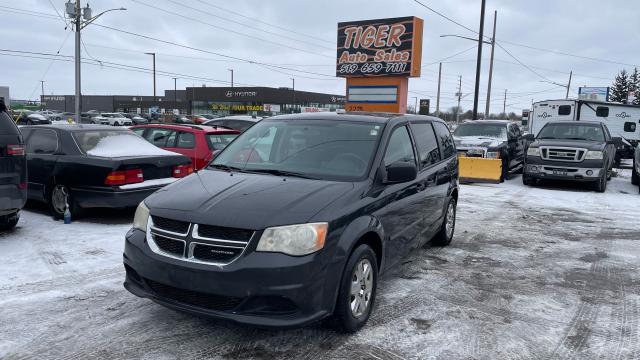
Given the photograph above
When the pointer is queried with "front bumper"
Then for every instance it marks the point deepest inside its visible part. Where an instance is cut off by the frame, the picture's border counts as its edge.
(111, 197)
(587, 170)
(260, 289)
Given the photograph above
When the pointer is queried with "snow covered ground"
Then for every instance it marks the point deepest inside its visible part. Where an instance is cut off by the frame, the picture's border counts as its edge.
(546, 272)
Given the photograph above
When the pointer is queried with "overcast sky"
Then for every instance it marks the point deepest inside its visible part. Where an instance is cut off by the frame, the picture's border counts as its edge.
(606, 30)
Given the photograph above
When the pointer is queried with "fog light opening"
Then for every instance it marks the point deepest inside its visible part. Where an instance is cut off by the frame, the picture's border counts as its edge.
(589, 172)
(534, 168)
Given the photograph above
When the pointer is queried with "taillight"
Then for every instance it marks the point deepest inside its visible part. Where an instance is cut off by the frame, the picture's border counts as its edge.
(15, 150)
(123, 177)
(180, 171)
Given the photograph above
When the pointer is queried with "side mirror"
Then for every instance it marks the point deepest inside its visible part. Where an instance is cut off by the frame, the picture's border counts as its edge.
(529, 137)
(400, 172)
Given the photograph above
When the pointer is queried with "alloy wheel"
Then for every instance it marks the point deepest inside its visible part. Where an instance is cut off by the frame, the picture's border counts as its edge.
(59, 198)
(361, 288)
(451, 220)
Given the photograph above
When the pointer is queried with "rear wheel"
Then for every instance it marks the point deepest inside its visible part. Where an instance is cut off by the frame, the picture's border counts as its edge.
(445, 235)
(505, 170)
(8, 222)
(357, 290)
(116, 124)
(635, 177)
(59, 197)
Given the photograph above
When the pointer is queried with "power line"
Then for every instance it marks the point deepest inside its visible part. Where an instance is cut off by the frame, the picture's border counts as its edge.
(523, 64)
(228, 30)
(246, 26)
(265, 23)
(450, 56)
(46, 71)
(445, 16)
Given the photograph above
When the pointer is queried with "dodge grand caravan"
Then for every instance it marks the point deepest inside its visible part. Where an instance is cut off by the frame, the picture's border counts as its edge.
(295, 220)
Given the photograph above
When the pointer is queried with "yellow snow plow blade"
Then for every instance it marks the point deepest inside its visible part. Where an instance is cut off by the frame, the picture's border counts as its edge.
(474, 169)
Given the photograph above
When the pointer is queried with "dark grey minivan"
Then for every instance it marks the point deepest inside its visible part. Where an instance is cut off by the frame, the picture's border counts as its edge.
(13, 171)
(294, 220)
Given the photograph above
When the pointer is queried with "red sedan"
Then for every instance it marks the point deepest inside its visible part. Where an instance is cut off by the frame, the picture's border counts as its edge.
(197, 142)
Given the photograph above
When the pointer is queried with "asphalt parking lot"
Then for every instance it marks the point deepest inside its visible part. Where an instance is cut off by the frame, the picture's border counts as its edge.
(546, 272)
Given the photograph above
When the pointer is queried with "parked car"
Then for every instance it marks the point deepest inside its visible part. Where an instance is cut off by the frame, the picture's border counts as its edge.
(236, 122)
(92, 166)
(635, 172)
(139, 120)
(571, 150)
(32, 118)
(181, 119)
(493, 139)
(197, 142)
(294, 221)
(13, 172)
(113, 119)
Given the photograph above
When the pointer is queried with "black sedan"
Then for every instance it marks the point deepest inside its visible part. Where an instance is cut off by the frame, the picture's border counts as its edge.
(91, 166)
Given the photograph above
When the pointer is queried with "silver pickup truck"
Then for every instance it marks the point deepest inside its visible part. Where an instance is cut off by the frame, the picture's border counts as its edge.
(581, 151)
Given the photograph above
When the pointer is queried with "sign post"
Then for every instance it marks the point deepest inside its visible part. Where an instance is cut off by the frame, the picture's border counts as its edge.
(378, 57)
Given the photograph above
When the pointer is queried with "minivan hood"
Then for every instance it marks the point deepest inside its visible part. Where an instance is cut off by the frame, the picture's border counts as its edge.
(583, 144)
(477, 141)
(246, 201)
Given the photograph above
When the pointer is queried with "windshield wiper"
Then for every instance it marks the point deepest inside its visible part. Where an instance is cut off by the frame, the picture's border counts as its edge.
(577, 138)
(282, 173)
(225, 167)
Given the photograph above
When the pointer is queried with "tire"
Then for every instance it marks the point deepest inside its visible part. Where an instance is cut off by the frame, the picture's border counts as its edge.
(448, 227)
(57, 195)
(10, 221)
(505, 170)
(601, 184)
(362, 283)
(635, 177)
(526, 180)
(116, 124)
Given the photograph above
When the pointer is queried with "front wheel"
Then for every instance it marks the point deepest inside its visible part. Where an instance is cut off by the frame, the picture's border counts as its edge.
(116, 124)
(526, 179)
(357, 290)
(59, 198)
(10, 221)
(601, 184)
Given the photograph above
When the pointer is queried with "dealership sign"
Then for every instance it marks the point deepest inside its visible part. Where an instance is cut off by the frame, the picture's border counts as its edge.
(381, 47)
(593, 93)
(235, 107)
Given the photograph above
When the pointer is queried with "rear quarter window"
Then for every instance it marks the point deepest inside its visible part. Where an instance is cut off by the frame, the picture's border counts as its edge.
(7, 126)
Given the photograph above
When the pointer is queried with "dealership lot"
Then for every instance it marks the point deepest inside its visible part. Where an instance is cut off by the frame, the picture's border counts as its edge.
(545, 272)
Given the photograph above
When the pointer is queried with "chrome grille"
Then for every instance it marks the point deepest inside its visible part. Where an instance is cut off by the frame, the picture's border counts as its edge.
(200, 243)
(567, 154)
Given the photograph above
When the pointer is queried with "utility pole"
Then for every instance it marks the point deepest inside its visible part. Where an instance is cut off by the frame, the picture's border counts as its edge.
(154, 73)
(504, 104)
(175, 92)
(493, 48)
(479, 62)
(438, 97)
(231, 77)
(42, 97)
(459, 97)
(415, 109)
(569, 84)
(294, 93)
(76, 14)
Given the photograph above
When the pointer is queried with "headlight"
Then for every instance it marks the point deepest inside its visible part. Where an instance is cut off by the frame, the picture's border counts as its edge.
(294, 240)
(493, 155)
(141, 218)
(594, 155)
(533, 151)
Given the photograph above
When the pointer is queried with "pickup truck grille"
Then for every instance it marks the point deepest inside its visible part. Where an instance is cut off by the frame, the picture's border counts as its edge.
(562, 154)
(197, 243)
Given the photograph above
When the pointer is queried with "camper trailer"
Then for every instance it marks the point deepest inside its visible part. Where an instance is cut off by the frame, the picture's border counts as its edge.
(622, 120)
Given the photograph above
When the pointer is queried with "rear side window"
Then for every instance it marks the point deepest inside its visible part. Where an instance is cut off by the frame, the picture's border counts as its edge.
(42, 142)
(186, 140)
(7, 126)
(161, 137)
(399, 148)
(630, 127)
(445, 140)
(602, 111)
(564, 110)
(426, 143)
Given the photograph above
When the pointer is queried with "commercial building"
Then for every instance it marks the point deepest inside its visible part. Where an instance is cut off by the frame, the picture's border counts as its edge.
(206, 100)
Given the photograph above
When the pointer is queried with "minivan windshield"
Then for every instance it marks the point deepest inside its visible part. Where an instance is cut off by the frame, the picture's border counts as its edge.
(339, 150)
(498, 131)
(590, 132)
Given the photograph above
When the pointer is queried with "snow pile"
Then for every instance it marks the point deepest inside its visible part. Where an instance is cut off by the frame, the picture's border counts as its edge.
(126, 145)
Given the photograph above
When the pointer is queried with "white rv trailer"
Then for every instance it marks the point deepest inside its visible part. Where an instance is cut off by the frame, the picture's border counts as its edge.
(622, 120)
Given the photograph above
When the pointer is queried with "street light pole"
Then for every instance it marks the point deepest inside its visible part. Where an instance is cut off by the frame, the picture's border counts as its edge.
(231, 77)
(42, 97)
(154, 73)
(415, 109)
(493, 47)
(569, 84)
(294, 93)
(479, 62)
(438, 97)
